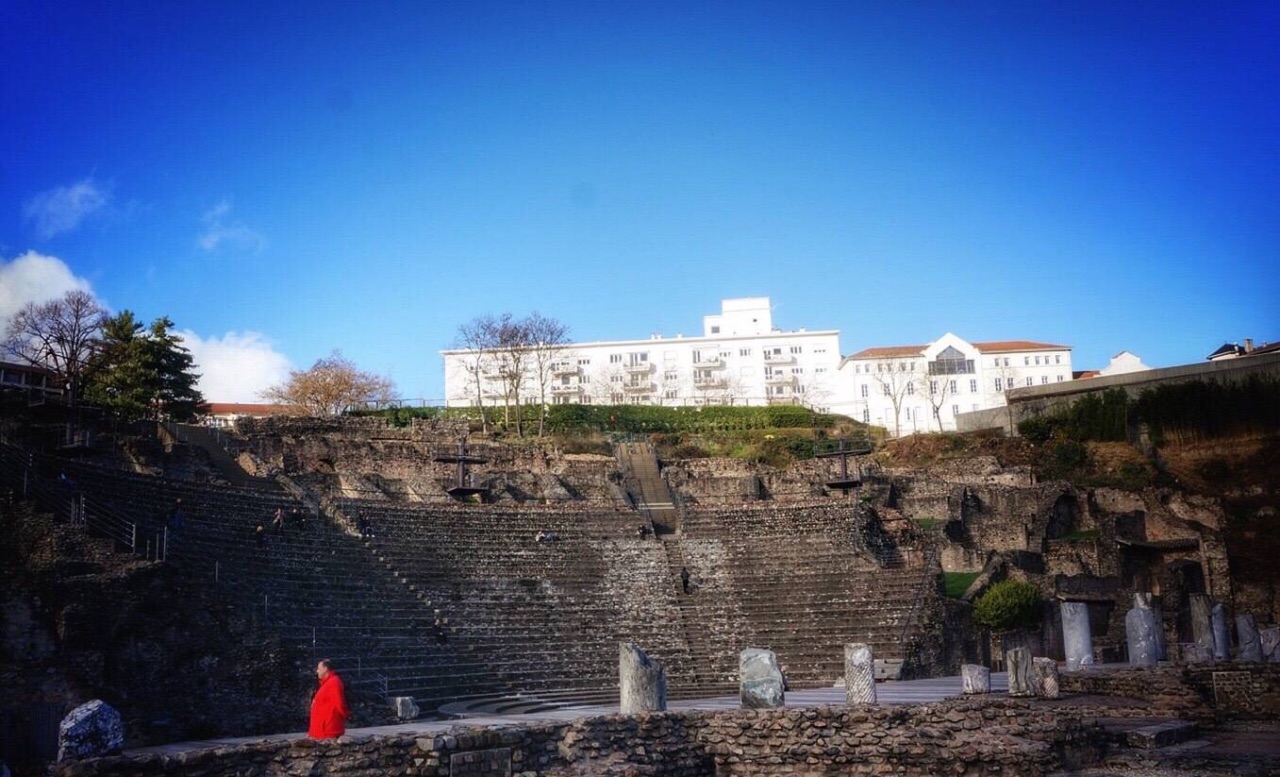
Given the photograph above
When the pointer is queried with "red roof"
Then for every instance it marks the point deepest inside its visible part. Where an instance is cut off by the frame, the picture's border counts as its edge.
(1008, 346)
(889, 352)
(247, 408)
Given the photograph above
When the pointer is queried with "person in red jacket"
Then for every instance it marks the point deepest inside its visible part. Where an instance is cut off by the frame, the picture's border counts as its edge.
(329, 711)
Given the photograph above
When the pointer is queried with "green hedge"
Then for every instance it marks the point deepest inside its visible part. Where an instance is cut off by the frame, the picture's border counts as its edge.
(1009, 604)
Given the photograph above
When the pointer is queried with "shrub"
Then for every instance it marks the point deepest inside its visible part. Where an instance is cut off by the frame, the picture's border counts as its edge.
(1009, 604)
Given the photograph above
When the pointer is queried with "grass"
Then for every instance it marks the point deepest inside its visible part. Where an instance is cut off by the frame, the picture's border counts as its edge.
(957, 583)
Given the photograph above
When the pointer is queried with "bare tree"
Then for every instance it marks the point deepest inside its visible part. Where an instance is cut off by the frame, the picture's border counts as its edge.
(60, 335)
(329, 387)
(896, 378)
(937, 388)
(479, 337)
(548, 345)
(512, 354)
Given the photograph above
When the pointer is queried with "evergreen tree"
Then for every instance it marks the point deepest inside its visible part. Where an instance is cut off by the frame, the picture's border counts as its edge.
(173, 387)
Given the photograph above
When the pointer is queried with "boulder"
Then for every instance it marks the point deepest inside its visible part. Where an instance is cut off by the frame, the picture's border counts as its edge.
(93, 729)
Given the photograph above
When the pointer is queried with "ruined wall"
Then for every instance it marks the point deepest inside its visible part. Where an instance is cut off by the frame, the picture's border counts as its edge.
(1210, 691)
(966, 738)
(368, 458)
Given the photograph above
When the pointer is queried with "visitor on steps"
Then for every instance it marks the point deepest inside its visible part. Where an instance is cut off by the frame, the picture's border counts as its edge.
(684, 579)
(329, 711)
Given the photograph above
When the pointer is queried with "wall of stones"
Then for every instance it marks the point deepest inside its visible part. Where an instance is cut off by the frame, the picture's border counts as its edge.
(1218, 690)
(962, 737)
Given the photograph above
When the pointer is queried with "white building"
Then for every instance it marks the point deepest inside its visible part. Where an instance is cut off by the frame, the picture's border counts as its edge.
(1122, 364)
(920, 388)
(739, 359)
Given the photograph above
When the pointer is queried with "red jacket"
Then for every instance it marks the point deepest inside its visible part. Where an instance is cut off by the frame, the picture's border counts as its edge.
(329, 711)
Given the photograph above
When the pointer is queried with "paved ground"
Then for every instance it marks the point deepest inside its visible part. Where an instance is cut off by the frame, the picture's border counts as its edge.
(902, 692)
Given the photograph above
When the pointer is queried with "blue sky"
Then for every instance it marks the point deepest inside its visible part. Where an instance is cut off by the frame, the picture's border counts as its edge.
(283, 179)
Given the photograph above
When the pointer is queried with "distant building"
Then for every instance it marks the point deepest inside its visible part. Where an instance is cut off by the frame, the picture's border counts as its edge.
(740, 359)
(35, 383)
(919, 388)
(1122, 364)
(225, 414)
(1235, 351)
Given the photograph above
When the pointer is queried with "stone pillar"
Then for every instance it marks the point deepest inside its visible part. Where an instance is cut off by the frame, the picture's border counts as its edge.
(975, 678)
(1140, 630)
(90, 730)
(1018, 661)
(1077, 636)
(760, 679)
(859, 674)
(1247, 634)
(1143, 599)
(1044, 677)
(642, 681)
(1202, 621)
(1269, 638)
(405, 707)
(1221, 636)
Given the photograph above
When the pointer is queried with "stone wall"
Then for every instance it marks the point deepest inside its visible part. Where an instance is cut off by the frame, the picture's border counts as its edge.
(1218, 690)
(959, 737)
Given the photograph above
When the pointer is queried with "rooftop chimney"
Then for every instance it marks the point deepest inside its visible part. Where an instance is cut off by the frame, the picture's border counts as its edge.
(1248, 345)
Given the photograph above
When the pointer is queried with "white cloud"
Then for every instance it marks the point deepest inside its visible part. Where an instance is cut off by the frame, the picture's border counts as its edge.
(236, 367)
(220, 231)
(34, 277)
(62, 208)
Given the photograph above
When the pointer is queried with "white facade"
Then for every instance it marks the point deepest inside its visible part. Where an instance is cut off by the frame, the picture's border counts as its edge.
(921, 388)
(740, 359)
(1122, 364)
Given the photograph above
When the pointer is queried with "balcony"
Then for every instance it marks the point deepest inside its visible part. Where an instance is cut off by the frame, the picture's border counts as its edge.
(560, 389)
(565, 368)
(709, 362)
(779, 378)
(639, 368)
(716, 382)
(779, 358)
(646, 387)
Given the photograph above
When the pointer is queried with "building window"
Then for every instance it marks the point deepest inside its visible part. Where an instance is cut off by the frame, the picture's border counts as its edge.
(999, 384)
(1059, 378)
(584, 362)
(796, 349)
(1009, 381)
(953, 387)
(951, 362)
(886, 390)
(865, 390)
(615, 358)
(744, 351)
(866, 416)
(1031, 381)
(1057, 359)
(911, 389)
(1044, 379)
(715, 330)
(973, 386)
(1037, 361)
(933, 387)
(955, 410)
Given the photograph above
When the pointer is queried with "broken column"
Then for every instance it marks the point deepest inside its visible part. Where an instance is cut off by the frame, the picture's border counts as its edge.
(1247, 634)
(1269, 638)
(1221, 637)
(1202, 621)
(1044, 677)
(642, 681)
(1077, 636)
(975, 678)
(1145, 599)
(1018, 661)
(760, 684)
(859, 674)
(1140, 630)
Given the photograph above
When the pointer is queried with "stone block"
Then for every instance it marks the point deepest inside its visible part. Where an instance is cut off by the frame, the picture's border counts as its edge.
(93, 729)
(1044, 678)
(1077, 635)
(1269, 639)
(1160, 734)
(1202, 621)
(975, 679)
(1140, 629)
(1221, 636)
(760, 684)
(405, 707)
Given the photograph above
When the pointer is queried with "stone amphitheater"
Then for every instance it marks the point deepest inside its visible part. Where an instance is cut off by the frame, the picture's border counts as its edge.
(481, 577)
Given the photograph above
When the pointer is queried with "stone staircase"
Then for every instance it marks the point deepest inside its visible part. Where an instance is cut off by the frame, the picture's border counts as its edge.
(207, 440)
(651, 495)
